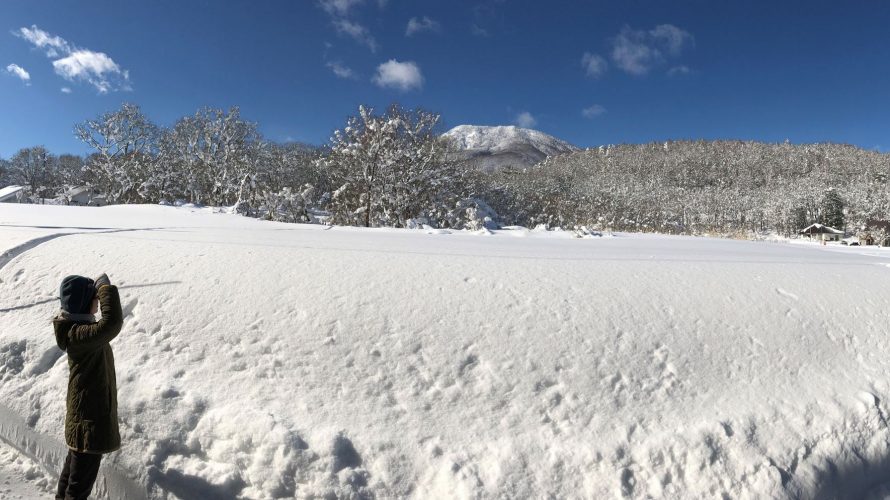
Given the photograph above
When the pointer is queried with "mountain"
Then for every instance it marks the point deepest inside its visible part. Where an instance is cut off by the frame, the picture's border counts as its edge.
(493, 148)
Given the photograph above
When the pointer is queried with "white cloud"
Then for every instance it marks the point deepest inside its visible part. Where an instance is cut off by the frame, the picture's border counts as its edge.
(53, 45)
(638, 51)
(420, 25)
(66, 90)
(15, 69)
(595, 65)
(399, 75)
(525, 120)
(632, 53)
(358, 32)
(673, 38)
(78, 64)
(338, 7)
(593, 111)
(89, 66)
(341, 70)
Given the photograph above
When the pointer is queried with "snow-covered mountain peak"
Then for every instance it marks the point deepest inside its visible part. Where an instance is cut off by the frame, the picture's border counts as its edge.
(501, 137)
(496, 147)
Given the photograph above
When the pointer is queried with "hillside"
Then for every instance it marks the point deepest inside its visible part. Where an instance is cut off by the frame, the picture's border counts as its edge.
(493, 148)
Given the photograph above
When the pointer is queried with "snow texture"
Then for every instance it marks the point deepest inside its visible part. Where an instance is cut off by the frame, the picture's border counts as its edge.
(21, 477)
(269, 360)
(492, 148)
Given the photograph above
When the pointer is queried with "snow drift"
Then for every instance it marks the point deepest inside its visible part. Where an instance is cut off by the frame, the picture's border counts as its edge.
(267, 360)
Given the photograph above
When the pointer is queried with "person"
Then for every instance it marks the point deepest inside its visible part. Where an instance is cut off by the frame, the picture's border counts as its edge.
(91, 426)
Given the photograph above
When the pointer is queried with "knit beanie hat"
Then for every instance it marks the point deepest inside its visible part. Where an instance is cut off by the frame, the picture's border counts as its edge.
(76, 294)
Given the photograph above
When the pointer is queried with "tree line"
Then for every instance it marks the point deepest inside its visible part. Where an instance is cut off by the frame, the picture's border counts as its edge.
(700, 187)
(394, 169)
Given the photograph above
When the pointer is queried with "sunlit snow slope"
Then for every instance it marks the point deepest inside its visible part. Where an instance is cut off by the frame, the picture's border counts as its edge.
(493, 148)
(263, 360)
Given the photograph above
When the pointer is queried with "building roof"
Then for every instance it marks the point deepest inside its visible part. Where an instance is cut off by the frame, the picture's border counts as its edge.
(820, 229)
(77, 190)
(10, 191)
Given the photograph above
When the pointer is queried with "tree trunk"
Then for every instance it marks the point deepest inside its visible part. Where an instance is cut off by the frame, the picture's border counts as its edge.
(368, 207)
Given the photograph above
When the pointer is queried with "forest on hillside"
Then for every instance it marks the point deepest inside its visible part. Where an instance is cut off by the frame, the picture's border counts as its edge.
(393, 168)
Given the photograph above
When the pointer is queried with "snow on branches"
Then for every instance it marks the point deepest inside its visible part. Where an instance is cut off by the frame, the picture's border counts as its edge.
(390, 169)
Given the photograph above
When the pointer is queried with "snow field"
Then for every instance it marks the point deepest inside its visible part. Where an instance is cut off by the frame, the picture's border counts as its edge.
(21, 477)
(265, 360)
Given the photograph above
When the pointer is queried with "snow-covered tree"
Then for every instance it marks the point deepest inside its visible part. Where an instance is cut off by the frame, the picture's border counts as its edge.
(716, 187)
(35, 167)
(70, 170)
(124, 142)
(211, 152)
(832, 209)
(4, 172)
(389, 169)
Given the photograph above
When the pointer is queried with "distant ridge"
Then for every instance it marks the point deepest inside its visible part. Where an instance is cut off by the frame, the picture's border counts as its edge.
(494, 148)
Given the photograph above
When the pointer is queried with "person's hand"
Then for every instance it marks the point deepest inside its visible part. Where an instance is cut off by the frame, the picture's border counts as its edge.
(102, 281)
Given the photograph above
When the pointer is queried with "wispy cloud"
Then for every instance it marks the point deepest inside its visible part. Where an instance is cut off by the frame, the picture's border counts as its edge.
(15, 69)
(66, 90)
(632, 53)
(341, 70)
(341, 17)
(420, 25)
(679, 70)
(593, 111)
(673, 38)
(477, 30)
(357, 32)
(525, 120)
(78, 64)
(399, 75)
(53, 45)
(638, 52)
(486, 16)
(594, 65)
(338, 7)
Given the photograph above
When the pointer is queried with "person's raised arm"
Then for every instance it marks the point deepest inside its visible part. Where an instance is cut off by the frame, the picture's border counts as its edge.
(88, 337)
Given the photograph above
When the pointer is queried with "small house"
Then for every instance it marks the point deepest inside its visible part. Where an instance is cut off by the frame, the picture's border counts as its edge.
(822, 233)
(875, 232)
(14, 194)
(83, 196)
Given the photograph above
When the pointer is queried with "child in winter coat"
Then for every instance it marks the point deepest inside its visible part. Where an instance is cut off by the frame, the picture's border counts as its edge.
(91, 426)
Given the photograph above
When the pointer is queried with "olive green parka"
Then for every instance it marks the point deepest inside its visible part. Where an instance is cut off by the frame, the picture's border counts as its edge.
(91, 411)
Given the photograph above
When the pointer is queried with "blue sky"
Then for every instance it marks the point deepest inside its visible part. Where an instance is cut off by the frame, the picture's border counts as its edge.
(589, 72)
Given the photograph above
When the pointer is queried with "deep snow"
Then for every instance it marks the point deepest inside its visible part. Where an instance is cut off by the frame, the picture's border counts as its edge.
(267, 360)
(21, 477)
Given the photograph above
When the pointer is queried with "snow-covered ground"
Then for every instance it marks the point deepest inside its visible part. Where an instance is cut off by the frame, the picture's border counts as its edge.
(21, 477)
(263, 360)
